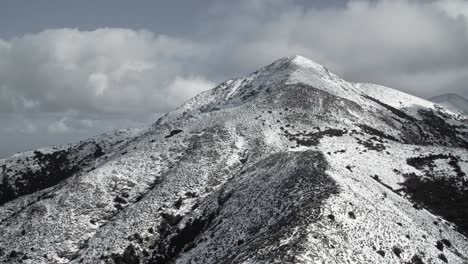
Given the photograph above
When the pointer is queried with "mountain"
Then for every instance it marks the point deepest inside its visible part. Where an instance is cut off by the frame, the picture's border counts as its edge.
(452, 101)
(290, 164)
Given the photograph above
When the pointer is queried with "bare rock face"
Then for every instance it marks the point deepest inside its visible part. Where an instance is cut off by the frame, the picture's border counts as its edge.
(290, 164)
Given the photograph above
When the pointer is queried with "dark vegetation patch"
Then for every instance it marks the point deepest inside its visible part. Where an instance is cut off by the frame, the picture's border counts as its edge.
(426, 164)
(120, 200)
(444, 129)
(397, 251)
(244, 157)
(442, 257)
(381, 252)
(377, 133)
(98, 152)
(446, 242)
(46, 170)
(13, 254)
(176, 241)
(440, 245)
(16, 257)
(416, 260)
(179, 203)
(171, 219)
(129, 256)
(372, 143)
(248, 92)
(54, 167)
(312, 138)
(174, 132)
(136, 237)
(441, 196)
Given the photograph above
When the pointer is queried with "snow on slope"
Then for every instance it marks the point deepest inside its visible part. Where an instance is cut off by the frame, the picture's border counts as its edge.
(395, 98)
(453, 102)
(290, 164)
(27, 172)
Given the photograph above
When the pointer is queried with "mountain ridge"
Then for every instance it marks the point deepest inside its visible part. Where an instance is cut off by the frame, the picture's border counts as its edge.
(452, 101)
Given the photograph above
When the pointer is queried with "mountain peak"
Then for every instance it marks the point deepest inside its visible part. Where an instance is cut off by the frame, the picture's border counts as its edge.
(296, 59)
(272, 79)
(301, 60)
(296, 62)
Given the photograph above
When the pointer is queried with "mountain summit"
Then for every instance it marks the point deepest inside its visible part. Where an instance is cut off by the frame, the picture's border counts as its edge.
(290, 164)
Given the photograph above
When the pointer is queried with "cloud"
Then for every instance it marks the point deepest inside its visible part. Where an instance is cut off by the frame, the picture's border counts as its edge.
(105, 70)
(59, 126)
(454, 8)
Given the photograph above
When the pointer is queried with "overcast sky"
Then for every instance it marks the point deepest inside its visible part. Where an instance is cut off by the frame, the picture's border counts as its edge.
(72, 69)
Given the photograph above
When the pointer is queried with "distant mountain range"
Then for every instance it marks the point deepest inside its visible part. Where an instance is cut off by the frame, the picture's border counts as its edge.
(452, 101)
(289, 164)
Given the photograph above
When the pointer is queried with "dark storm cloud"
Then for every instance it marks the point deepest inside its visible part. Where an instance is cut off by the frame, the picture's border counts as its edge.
(120, 57)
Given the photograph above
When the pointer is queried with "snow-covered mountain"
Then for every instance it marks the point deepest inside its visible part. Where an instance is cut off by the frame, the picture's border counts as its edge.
(452, 101)
(290, 164)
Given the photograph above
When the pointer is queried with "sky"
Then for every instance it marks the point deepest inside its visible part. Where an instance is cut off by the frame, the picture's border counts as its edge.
(73, 69)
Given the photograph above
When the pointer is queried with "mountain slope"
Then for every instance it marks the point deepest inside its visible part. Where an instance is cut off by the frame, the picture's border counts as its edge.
(290, 164)
(453, 102)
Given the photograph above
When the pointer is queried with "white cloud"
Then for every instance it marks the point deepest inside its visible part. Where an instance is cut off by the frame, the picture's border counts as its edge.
(105, 70)
(454, 8)
(98, 82)
(59, 126)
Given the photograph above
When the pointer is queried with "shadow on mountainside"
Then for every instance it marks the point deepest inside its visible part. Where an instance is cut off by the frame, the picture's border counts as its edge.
(266, 202)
